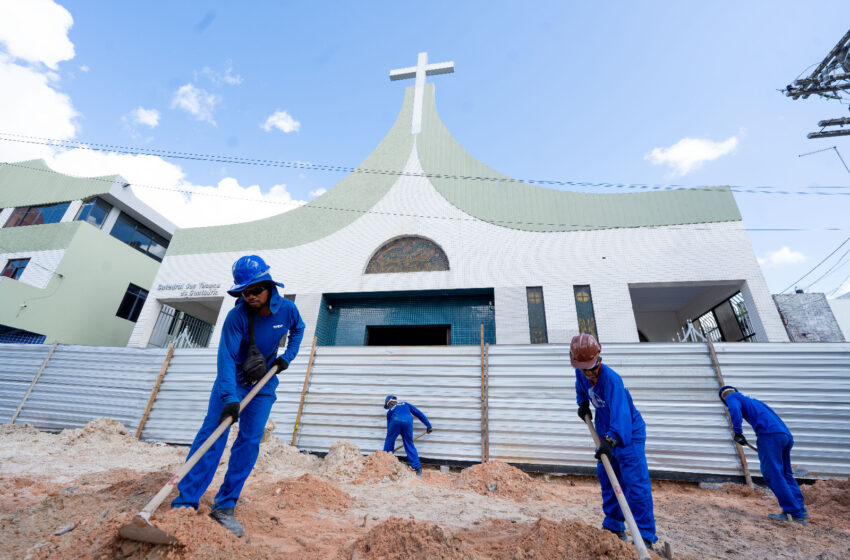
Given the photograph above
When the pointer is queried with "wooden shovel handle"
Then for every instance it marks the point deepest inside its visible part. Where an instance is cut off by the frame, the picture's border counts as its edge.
(414, 439)
(643, 554)
(151, 506)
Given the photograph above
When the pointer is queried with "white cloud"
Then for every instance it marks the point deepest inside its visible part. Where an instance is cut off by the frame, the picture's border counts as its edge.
(781, 257)
(691, 153)
(84, 68)
(282, 121)
(318, 192)
(197, 102)
(156, 182)
(36, 31)
(217, 78)
(147, 117)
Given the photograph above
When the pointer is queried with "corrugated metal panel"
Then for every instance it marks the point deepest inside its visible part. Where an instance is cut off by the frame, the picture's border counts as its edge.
(81, 383)
(349, 384)
(18, 365)
(183, 397)
(808, 385)
(533, 406)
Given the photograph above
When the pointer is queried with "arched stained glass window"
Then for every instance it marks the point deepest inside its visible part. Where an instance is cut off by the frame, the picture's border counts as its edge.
(408, 254)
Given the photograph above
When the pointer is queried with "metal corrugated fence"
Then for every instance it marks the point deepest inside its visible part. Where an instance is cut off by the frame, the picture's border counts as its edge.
(531, 397)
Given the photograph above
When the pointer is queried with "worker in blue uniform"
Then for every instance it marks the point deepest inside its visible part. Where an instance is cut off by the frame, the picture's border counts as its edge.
(622, 434)
(400, 422)
(249, 344)
(774, 443)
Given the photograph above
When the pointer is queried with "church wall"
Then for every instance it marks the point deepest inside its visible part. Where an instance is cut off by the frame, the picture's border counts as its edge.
(512, 315)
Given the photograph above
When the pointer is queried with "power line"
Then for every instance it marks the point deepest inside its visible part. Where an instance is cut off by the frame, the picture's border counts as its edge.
(816, 266)
(99, 147)
(826, 150)
(507, 223)
(838, 263)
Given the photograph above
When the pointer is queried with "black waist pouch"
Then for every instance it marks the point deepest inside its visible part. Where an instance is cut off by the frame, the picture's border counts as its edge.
(254, 366)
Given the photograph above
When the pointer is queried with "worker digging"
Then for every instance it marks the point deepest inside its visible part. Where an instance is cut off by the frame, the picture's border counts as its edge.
(622, 433)
(774, 442)
(400, 422)
(250, 339)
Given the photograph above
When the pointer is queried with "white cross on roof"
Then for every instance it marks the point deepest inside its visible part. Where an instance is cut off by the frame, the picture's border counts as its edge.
(419, 72)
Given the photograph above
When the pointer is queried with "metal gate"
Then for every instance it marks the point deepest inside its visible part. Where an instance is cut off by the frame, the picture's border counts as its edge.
(184, 330)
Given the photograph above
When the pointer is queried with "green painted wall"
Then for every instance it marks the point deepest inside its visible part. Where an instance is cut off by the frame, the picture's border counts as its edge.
(33, 182)
(38, 238)
(80, 307)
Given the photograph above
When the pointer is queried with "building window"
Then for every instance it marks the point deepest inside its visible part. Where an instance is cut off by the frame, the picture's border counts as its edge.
(536, 315)
(131, 305)
(584, 311)
(139, 237)
(408, 254)
(14, 268)
(290, 297)
(729, 321)
(37, 215)
(94, 211)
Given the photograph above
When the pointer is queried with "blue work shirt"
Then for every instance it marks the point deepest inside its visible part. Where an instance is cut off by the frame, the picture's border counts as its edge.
(401, 412)
(616, 415)
(760, 416)
(268, 332)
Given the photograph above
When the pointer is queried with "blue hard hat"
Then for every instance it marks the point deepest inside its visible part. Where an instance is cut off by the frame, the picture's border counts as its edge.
(388, 399)
(248, 270)
(720, 392)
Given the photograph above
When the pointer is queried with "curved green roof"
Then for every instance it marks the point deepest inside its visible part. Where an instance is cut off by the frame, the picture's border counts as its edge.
(26, 183)
(468, 184)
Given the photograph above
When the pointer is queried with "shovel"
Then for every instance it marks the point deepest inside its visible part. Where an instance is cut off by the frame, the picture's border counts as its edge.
(140, 528)
(643, 554)
(414, 439)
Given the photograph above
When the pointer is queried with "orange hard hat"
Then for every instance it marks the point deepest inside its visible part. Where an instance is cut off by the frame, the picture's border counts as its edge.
(584, 351)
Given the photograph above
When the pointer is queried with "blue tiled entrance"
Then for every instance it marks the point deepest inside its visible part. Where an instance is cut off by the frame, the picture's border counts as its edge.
(343, 318)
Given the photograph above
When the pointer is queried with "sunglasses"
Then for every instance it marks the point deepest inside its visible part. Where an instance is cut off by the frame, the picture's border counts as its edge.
(253, 291)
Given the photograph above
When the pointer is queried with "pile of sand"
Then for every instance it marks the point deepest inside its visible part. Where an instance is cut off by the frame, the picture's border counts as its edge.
(276, 457)
(343, 461)
(496, 478)
(103, 444)
(381, 466)
(305, 493)
(829, 500)
(405, 539)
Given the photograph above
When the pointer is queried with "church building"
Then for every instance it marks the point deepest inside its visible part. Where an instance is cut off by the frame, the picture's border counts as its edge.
(423, 244)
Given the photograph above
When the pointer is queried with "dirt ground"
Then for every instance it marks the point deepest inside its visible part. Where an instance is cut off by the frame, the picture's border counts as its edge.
(66, 495)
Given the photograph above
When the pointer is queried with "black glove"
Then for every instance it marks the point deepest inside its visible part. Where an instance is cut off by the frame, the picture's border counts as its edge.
(429, 430)
(606, 447)
(230, 410)
(740, 439)
(280, 363)
(584, 410)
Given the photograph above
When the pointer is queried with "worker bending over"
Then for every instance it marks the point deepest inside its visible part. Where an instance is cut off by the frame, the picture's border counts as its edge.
(250, 338)
(774, 442)
(622, 434)
(400, 422)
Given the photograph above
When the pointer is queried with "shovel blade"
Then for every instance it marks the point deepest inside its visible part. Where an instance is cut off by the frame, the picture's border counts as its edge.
(142, 530)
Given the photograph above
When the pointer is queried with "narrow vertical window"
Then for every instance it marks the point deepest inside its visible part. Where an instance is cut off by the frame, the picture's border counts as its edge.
(131, 305)
(536, 315)
(584, 310)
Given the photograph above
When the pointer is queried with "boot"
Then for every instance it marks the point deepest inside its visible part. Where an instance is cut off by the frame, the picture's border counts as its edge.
(226, 518)
(419, 471)
(620, 534)
(778, 516)
(647, 544)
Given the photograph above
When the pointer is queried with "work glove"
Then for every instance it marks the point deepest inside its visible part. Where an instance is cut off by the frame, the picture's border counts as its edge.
(280, 363)
(584, 410)
(230, 410)
(429, 430)
(740, 439)
(606, 447)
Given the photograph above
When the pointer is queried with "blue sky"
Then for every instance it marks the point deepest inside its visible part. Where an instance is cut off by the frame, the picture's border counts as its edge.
(549, 90)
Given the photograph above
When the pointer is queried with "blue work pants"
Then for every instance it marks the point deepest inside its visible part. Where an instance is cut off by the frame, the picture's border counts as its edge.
(243, 454)
(405, 429)
(630, 467)
(775, 458)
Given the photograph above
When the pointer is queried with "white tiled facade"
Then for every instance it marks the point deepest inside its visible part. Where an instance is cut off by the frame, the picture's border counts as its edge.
(482, 255)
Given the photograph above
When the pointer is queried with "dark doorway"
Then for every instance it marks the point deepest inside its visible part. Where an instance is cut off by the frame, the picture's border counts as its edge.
(409, 335)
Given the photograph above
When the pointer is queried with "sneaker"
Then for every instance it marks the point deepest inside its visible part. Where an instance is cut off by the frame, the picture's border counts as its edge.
(647, 544)
(419, 471)
(226, 518)
(801, 520)
(805, 515)
(620, 534)
(778, 516)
